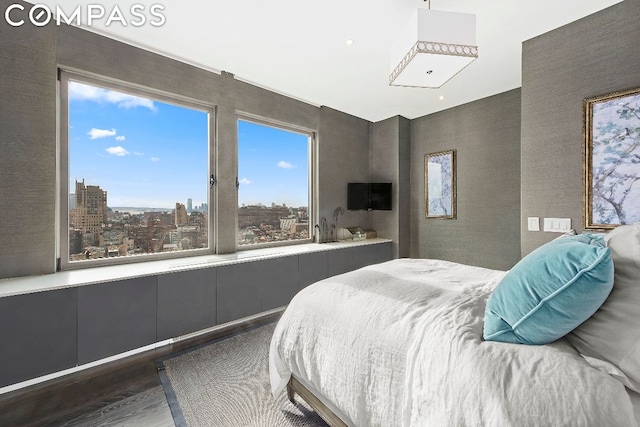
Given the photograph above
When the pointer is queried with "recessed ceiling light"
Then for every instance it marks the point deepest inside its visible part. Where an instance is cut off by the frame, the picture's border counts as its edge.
(441, 97)
(349, 42)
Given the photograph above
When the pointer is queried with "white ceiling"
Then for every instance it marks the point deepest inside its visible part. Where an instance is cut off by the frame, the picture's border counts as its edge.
(298, 47)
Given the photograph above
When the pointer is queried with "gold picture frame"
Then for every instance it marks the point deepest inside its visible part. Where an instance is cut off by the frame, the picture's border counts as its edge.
(440, 185)
(611, 166)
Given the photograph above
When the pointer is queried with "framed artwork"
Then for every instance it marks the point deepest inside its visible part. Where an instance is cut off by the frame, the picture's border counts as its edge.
(612, 160)
(440, 184)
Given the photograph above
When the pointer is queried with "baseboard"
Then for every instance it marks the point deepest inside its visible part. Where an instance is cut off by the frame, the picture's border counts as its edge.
(39, 402)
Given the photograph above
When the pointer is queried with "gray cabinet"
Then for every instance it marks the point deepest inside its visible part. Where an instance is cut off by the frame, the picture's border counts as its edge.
(54, 330)
(374, 254)
(38, 334)
(252, 287)
(352, 258)
(279, 282)
(249, 288)
(186, 302)
(239, 289)
(312, 267)
(116, 317)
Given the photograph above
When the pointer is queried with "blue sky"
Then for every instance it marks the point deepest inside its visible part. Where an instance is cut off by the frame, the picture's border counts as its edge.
(147, 153)
(272, 166)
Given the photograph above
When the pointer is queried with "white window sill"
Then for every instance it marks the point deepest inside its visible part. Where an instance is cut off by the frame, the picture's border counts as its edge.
(94, 275)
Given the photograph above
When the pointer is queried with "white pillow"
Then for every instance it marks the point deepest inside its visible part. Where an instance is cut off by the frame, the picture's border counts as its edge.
(613, 332)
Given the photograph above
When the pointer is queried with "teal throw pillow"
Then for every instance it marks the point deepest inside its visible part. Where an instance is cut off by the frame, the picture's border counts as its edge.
(550, 291)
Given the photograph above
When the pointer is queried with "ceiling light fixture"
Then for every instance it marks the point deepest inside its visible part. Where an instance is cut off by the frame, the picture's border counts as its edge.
(435, 46)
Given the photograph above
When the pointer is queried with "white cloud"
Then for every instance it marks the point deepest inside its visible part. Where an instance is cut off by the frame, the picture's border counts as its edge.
(82, 92)
(245, 181)
(137, 153)
(101, 133)
(117, 151)
(120, 138)
(285, 165)
(155, 159)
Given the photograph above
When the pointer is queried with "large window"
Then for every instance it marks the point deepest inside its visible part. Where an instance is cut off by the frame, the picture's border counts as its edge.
(134, 173)
(275, 186)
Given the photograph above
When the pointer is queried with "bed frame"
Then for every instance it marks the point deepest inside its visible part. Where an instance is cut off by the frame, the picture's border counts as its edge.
(294, 386)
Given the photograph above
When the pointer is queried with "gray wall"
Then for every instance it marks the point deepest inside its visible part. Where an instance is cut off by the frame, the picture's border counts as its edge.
(593, 56)
(28, 143)
(390, 161)
(30, 57)
(343, 157)
(486, 135)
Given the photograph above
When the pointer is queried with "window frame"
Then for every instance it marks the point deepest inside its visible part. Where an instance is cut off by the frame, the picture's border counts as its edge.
(312, 159)
(66, 75)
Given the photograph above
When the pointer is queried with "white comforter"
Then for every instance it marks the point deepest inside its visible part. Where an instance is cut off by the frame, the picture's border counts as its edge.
(400, 344)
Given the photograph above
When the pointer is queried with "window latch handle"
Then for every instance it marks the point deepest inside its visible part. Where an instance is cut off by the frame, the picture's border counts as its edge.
(212, 181)
(237, 184)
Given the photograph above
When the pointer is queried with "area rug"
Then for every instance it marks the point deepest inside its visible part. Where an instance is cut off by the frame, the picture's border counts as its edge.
(226, 383)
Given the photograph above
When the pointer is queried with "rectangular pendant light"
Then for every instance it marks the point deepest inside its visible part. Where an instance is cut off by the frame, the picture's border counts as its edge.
(435, 46)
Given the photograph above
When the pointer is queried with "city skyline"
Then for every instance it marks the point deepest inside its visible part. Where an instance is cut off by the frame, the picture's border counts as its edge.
(96, 232)
(151, 154)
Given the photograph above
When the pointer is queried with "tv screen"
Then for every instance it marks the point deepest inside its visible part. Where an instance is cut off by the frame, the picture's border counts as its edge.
(368, 196)
(380, 196)
(357, 196)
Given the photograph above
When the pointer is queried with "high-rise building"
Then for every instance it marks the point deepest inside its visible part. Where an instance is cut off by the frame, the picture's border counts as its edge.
(189, 205)
(90, 211)
(181, 215)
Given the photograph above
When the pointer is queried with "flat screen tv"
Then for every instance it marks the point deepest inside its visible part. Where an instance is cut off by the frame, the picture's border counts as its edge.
(357, 196)
(380, 196)
(369, 196)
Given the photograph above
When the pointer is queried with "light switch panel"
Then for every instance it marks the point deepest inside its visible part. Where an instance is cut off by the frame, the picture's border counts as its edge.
(557, 225)
(533, 223)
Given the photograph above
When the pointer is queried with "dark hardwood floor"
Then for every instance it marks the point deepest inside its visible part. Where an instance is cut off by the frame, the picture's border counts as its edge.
(123, 393)
(147, 408)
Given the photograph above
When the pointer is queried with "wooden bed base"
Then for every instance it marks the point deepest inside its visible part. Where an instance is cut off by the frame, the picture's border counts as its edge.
(294, 386)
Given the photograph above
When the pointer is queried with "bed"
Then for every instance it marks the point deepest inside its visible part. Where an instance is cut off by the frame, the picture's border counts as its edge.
(403, 343)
